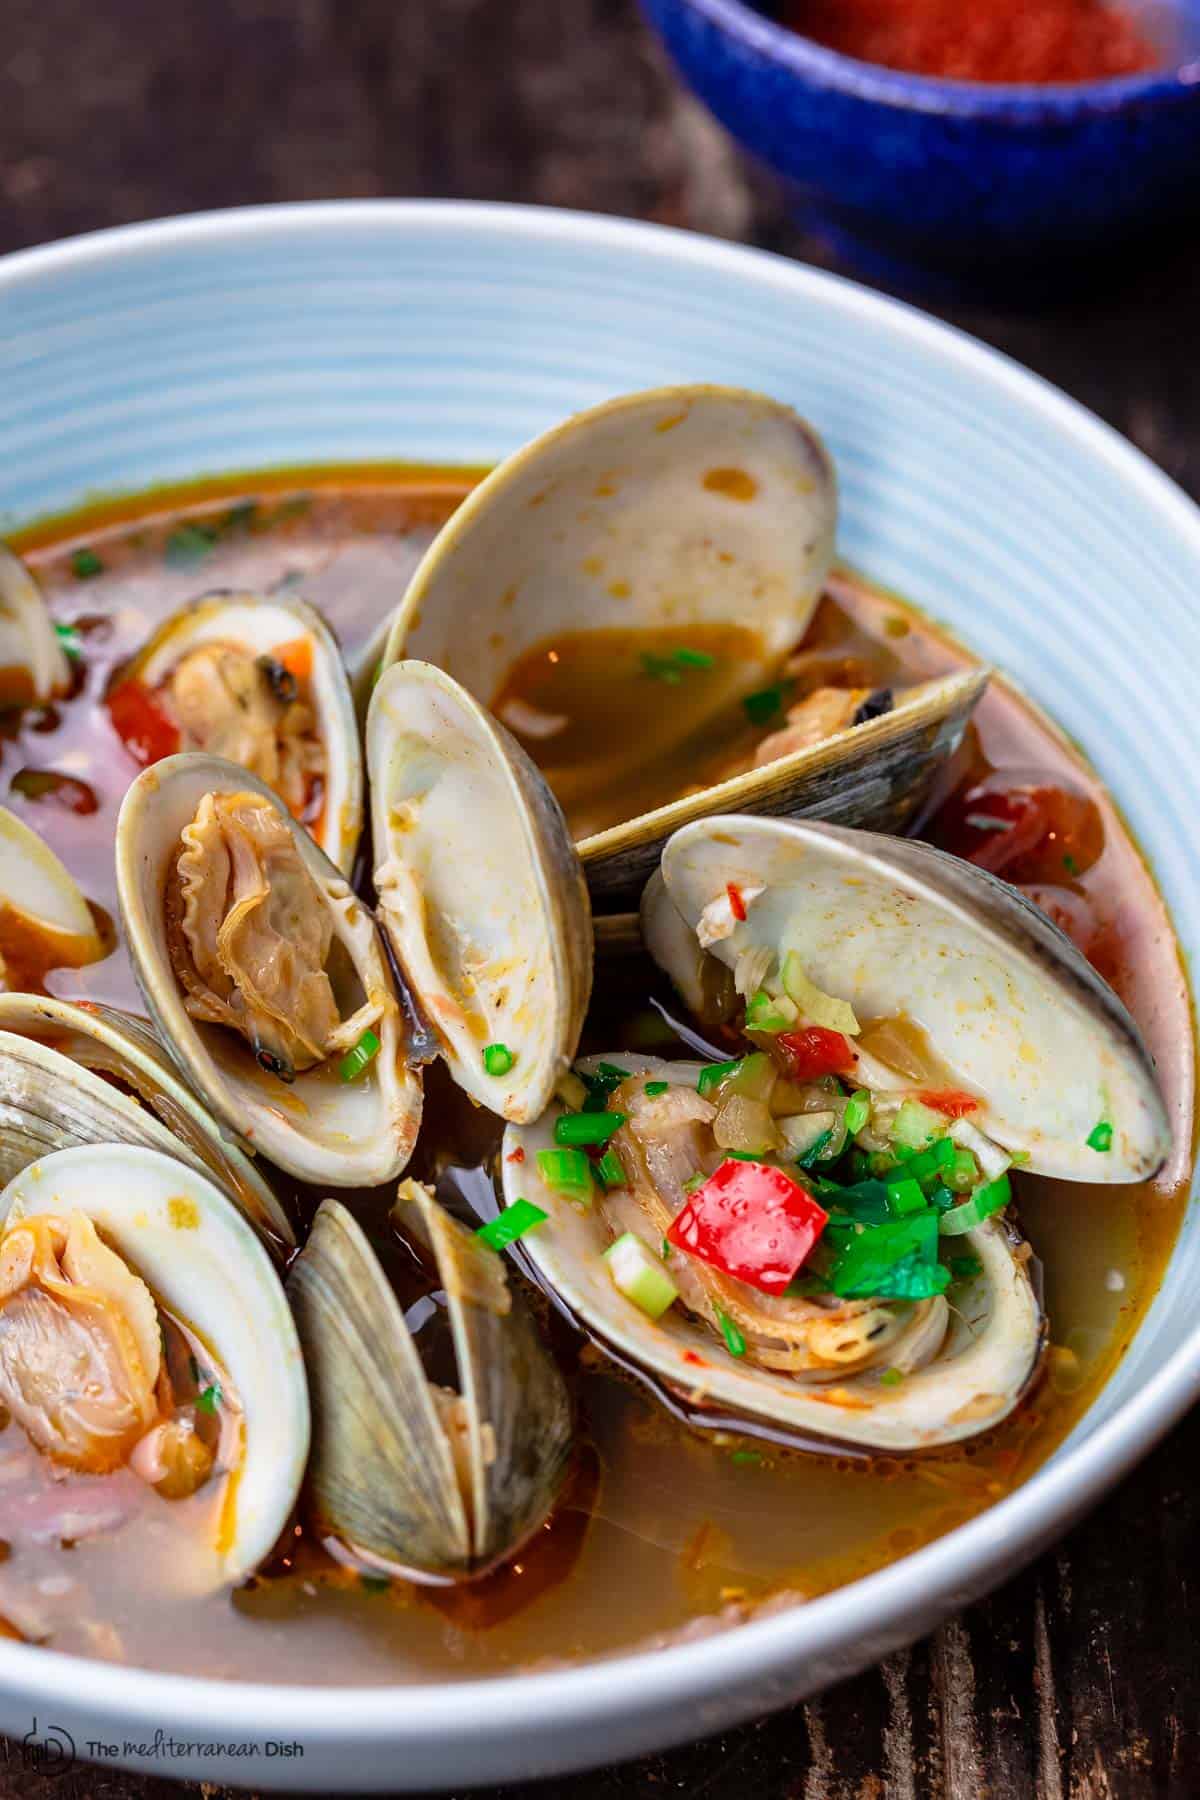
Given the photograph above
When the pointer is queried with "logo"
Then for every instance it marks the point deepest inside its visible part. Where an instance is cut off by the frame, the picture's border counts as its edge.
(50, 1752)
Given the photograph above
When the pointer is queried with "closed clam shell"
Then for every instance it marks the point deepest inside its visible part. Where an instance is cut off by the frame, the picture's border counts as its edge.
(480, 888)
(72, 1075)
(383, 1475)
(344, 1133)
(262, 625)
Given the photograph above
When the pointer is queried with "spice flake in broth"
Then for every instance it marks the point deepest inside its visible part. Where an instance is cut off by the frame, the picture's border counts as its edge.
(659, 1526)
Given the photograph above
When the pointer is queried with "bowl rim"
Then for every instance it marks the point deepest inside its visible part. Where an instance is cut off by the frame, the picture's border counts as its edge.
(875, 82)
(655, 1686)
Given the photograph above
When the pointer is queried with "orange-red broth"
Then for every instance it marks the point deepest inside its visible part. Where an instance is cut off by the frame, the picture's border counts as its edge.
(634, 1552)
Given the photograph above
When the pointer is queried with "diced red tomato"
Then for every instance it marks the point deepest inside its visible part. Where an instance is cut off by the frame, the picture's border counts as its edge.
(951, 1101)
(141, 723)
(751, 1221)
(815, 1050)
(737, 905)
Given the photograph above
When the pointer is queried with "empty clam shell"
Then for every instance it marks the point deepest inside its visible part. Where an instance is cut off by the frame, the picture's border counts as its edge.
(202, 1262)
(73, 1075)
(1013, 1011)
(341, 1132)
(260, 680)
(480, 889)
(409, 1476)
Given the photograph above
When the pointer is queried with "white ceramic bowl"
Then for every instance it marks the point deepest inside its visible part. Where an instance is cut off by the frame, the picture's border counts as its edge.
(452, 333)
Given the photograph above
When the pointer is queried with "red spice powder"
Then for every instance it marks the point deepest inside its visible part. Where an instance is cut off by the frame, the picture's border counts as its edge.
(981, 40)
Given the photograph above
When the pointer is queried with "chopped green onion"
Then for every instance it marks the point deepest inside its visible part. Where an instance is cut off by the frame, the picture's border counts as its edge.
(915, 1124)
(656, 1087)
(68, 637)
(815, 1150)
(693, 1182)
(963, 1267)
(926, 1165)
(746, 1458)
(671, 667)
(1100, 1137)
(611, 1072)
(715, 1073)
(983, 1203)
(85, 564)
(356, 1060)
(498, 1059)
(962, 1173)
(1070, 865)
(735, 1343)
(567, 1172)
(744, 1155)
(207, 1401)
(611, 1170)
(685, 658)
(665, 1251)
(761, 707)
(857, 1113)
(865, 1202)
(639, 1275)
(768, 1012)
(587, 1127)
(943, 1198)
(511, 1224)
(894, 1261)
(905, 1196)
(600, 1085)
(375, 1584)
(891, 1377)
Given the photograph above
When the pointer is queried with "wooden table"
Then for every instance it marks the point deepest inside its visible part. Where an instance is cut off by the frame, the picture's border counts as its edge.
(1081, 1678)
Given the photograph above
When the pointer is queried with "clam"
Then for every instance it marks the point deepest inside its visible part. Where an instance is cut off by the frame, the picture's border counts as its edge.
(260, 681)
(73, 1075)
(672, 509)
(411, 1476)
(45, 922)
(1004, 1005)
(33, 664)
(480, 889)
(264, 974)
(975, 1039)
(130, 1275)
(811, 1367)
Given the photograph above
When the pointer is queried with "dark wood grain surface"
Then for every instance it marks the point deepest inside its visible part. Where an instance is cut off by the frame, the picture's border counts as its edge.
(1081, 1678)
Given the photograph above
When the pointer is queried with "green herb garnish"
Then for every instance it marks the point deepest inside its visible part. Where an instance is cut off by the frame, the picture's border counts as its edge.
(891, 1377)
(511, 1224)
(569, 1173)
(85, 564)
(672, 667)
(610, 1170)
(498, 1059)
(735, 1343)
(746, 1458)
(207, 1400)
(1100, 1136)
(190, 544)
(587, 1127)
(893, 1261)
(656, 1087)
(715, 1073)
(982, 1204)
(356, 1060)
(68, 637)
(815, 1150)
(761, 707)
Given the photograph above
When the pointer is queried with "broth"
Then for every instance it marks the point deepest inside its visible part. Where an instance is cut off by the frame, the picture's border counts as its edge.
(661, 1529)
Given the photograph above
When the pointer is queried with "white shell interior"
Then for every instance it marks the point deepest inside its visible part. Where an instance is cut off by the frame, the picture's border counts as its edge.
(262, 624)
(1010, 1027)
(989, 1354)
(35, 884)
(345, 1133)
(205, 1265)
(27, 636)
(479, 887)
(671, 507)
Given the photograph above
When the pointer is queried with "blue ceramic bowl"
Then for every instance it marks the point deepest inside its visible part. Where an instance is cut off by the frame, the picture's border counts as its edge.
(966, 186)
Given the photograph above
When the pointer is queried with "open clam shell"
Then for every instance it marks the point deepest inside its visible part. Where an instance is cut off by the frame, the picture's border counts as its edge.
(204, 1264)
(1012, 1010)
(986, 1359)
(345, 1133)
(72, 1075)
(287, 658)
(45, 921)
(872, 775)
(408, 1476)
(33, 664)
(480, 888)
